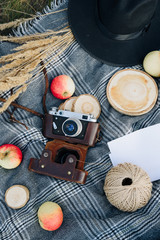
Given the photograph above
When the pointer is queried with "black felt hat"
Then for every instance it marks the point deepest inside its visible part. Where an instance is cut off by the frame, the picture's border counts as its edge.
(117, 32)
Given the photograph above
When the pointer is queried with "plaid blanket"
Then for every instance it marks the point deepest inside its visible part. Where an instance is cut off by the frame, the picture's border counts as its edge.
(87, 213)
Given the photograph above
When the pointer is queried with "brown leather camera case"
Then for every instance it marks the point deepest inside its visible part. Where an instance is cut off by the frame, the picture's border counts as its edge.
(72, 168)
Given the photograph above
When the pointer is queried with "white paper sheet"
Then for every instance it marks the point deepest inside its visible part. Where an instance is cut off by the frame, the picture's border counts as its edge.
(141, 147)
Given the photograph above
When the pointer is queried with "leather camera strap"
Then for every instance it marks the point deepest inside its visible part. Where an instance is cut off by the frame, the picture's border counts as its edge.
(46, 86)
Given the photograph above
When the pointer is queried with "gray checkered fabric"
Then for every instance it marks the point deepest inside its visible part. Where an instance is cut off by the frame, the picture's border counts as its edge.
(87, 213)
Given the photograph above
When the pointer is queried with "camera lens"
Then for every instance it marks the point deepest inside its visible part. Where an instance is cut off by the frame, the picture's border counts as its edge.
(72, 127)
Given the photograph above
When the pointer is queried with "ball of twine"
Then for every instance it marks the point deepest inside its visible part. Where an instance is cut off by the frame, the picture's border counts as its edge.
(127, 187)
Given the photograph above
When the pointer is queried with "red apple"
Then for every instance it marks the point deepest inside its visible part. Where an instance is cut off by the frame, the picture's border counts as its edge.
(62, 87)
(50, 216)
(10, 156)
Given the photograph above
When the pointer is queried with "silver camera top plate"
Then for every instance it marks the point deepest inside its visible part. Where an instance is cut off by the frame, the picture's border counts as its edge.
(68, 114)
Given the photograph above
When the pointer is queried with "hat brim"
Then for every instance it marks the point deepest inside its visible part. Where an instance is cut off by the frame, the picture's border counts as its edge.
(82, 20)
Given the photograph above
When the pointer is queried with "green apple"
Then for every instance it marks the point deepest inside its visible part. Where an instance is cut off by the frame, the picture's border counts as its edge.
(151, 63)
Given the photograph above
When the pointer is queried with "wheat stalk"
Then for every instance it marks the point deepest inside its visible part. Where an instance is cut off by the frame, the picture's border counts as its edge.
(12, 98)
(16, 22)
(17, 68)
(35, 36)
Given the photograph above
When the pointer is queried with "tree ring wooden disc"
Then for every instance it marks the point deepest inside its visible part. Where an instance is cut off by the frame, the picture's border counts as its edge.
(61, 106)
(132, 92)
(87, 104)
(69, 103)
(17, 196)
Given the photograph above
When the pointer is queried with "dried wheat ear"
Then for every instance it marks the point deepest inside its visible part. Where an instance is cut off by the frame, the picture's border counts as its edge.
(16, 70)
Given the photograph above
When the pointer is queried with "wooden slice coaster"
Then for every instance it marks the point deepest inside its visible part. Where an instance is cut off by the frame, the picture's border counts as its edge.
(69, 103)
(132, 92)
(61, 106)
(17, 196)
(87, 104)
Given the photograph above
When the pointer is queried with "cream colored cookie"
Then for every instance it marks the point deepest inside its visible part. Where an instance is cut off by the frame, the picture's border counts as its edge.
(132, 92)
(87, 104)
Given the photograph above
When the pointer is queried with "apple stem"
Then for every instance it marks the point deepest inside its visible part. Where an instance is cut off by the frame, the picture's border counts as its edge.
(65, 94)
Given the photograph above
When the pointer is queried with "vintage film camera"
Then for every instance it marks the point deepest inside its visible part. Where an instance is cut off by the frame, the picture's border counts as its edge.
(64, 157)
